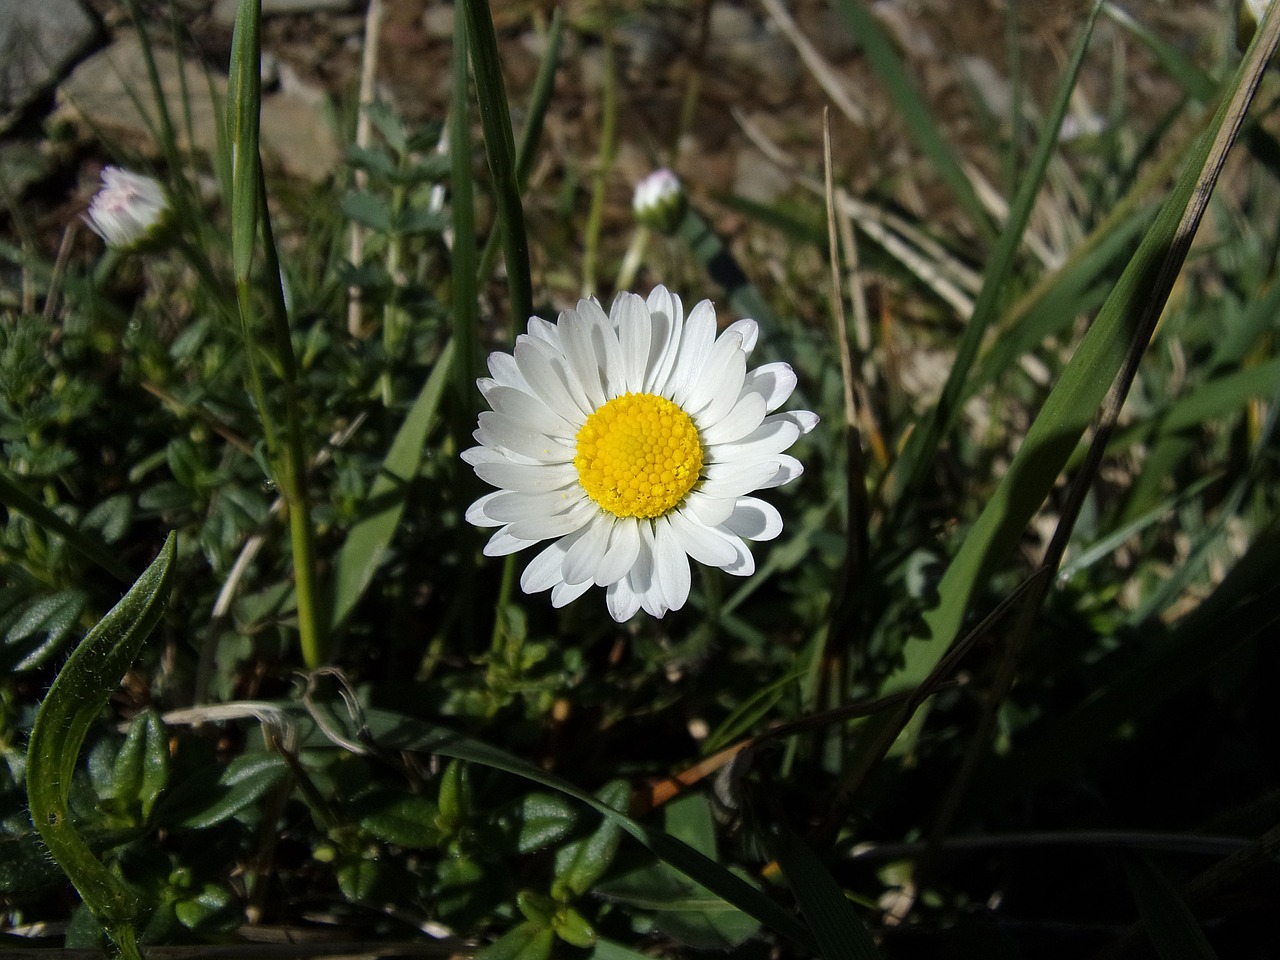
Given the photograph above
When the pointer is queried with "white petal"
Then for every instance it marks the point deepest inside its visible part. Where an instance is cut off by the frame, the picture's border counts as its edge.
(737, 480)
(545, 570)
(806, 420)
(788, 468)
(720, 384)
(545, 331)
(622, 600)
(754, 519)
(523, 406)
(773, 436)
(475, 514)
(508, 433)
(722, 371)
(586, 555)
(670, 565)
(510, 507)
(750, 332)
(503, 543)
(630, 316)
(710, 511)
(504, 370)
(527, 478)
(695, 343)
(702, 543)
(565, 593)
(544, 528)
(577, 334)
(745, 417)
(666, 317)
(624, 548)
(744, 565)
(773, 381)
(548, 376)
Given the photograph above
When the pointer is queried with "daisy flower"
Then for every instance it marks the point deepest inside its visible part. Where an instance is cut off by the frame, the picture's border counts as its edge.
(632, 441)
(659, 201)
(129, 209)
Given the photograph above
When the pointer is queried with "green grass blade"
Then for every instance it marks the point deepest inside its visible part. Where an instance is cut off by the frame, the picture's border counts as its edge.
(244, 99)
(924, 441)
(910, 106)
(463, 270)
(1126, 318)
(396, 731)
(495, 117)
(531, 136)
(74, 701)
(1169, 922)
(840, 932)
(368, 540)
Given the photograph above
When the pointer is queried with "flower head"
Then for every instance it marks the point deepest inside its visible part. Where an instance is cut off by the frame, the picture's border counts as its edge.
(631, 441)
(129, 209)
(660, 201)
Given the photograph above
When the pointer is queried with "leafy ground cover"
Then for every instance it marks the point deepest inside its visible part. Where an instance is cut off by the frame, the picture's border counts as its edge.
(1001, 685)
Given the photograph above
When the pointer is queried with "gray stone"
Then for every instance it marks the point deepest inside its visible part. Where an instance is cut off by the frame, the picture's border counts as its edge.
(110, 92)
(22, 163)
(37, 42)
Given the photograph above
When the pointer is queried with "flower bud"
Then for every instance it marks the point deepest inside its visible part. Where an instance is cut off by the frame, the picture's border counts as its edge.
(660, 201)
(129, 210)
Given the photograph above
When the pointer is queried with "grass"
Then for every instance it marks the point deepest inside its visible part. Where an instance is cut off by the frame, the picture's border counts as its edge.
(1003, 686)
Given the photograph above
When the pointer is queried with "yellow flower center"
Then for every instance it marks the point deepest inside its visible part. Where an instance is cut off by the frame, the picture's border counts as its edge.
(638, 455)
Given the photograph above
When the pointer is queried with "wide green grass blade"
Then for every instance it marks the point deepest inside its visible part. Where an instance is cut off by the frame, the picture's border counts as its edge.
(394, 731)
(1169, 922)
(73, 704)
(1121, 329)
(495, 117)
(923, 444)
(368, 540)
(914, 113)
(840, 932)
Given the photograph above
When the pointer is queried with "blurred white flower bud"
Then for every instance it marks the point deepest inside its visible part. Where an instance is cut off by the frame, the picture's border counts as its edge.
(660, 201)
(129, 209)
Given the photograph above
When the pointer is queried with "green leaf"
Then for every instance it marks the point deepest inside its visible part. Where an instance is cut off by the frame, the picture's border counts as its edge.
(388, 123)
(581, 863)
(142, 765)
(407, 821)
(15, 498)
(1169, 922)
(528, 941)
(213, 795)
(367, 210)
(53, 617)
(368, 540)
(838, 928)
(545, 818)
(396, 731)
(572, 927)
(78, 695)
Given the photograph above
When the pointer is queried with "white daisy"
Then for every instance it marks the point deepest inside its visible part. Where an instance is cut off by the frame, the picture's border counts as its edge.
(130, 208)
(631, 442)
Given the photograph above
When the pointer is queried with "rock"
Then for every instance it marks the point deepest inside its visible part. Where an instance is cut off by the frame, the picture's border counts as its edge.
(37, 42)
(224, 11)
(107, 92)
(22, 163)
